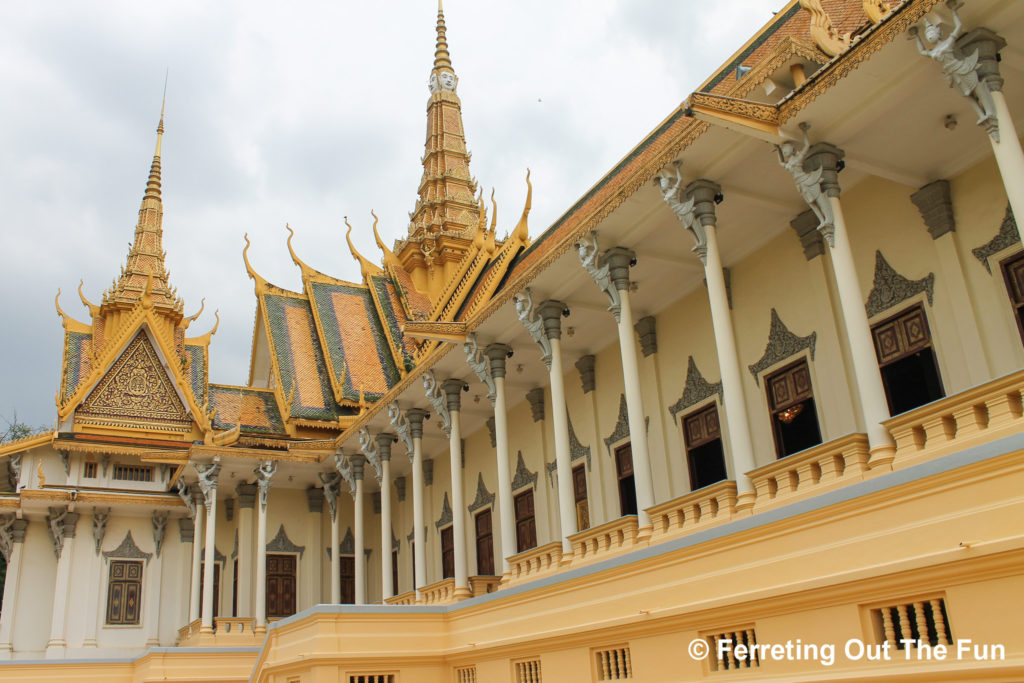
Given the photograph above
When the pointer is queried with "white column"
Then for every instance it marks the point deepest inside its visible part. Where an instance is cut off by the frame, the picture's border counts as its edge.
(696, 210)
(195, 590)
(862, 349)
(453, 391)
(154, 584)
(65, 524)
(335, 559)
(264, 475)
(497, 354)
(619, 261)
(209, 558)
(1009, 156)
(415, 417)
(551, 312)
(313, 592)
(246, 504)
(95, 577)
(384, 441)
(11, 587)
(358, 462)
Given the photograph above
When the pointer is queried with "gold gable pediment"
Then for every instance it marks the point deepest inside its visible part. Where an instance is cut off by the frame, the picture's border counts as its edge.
(136, 390)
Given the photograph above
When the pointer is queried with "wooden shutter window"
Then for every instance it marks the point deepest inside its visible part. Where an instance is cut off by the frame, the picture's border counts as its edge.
(793, 415)
(280, 585)
(705, 456)
(627, 483)
(447, 553)
(348, 579)
(1013, 275)
(124, 593)
(484, 544)
(526, 528)
(901, 336)
(579, 494)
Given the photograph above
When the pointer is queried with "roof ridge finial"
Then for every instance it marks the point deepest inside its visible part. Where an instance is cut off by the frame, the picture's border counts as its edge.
(153, 184)
(441, 56)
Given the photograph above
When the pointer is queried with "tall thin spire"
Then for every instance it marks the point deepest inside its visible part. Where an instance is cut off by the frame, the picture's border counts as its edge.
(441, 56)
(146, 255)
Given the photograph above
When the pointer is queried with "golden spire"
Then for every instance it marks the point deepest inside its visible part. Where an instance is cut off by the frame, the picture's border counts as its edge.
(146, 256)
(441, 57)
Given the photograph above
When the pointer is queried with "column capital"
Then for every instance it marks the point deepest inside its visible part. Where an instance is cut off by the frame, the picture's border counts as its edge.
(619, 260)
(987, 43)
(600, 271)
(384, 441)
(186, 530)
(825, 156)
(358, 461)
(646, 329)
(315, 499)
(805, 225)
(416, 417)
(936, 207)
(586, 366)
(535, 397)
(18, 529)
(453, 388)
(551, 312)
(246, 495)
(497, 354)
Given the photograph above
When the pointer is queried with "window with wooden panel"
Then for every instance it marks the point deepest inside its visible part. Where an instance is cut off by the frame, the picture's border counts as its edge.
(89, 470)
(1013, 275)
(348, 579)
(412, 565)
(394, 572)
(447, 552)
(627, 483)
(793, 413)
(484, 543)
(705, 456)
(281, 585)
(906, 359)
(234, 588)
(526, 525)
(124, 593)
(133, 473)
(579, 494)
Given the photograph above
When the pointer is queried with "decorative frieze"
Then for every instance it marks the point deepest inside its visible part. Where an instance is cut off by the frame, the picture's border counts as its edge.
(127, 550)
(695, 390)
(282, 544)
(890, 288)
(781, 345)
(446, 514)
(483, 496)
(1006, 237)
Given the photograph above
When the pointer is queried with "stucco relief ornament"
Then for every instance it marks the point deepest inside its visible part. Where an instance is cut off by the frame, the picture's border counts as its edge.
(185, 493)
(7, 536)
(448, 81)
(159, 529)
(344, 467)
(264, 474)
(437, 400)
(477, 360)
(208, 480)
(587, 250)
(808, 183)
(99, 526)
(533, 323)
(671, 186)
(960, 71)
(14, 467)
(400, 423)
(368, 447)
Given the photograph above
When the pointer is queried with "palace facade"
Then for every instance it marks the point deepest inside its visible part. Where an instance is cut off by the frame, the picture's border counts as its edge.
(759, 388)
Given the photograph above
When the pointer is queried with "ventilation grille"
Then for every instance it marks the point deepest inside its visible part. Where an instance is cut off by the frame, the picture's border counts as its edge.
(89, 470)
(133, 473)
(924, 621)
(372, 678)
(614, 664)
(528, 671)
(465, 675)
(723, 654)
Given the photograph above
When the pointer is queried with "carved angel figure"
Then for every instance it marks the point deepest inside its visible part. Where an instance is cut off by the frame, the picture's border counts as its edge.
(808, 183)
(477, 360)
(6, 537)
(159, 529)
(331, 482)
(344, 467)
(533, 323)
(587, 250)
(437, 400)
(99, 526)
(185, 493)
(401, 425)
(264, 473)
(208, 479)
(369, 449)
(960, 71)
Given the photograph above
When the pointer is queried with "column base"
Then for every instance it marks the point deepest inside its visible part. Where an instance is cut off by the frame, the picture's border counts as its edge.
(88, 642)
(204, 629)
(745, 502)
(153, 642)
(6, 651)
(881, 457)
(55, 648)
(643, 534)
(462, 593)
(260, 630)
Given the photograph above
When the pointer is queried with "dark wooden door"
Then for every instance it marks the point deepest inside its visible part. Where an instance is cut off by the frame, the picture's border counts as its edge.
(627, 485)
(348, 580)
(234, 590)
(579, 494)
(705, 457)
(447, 553)
(216, 587)
(526, 527)
(280, 585)
(484, 544)
(1013, 274)
(394, 572)
(794, 417)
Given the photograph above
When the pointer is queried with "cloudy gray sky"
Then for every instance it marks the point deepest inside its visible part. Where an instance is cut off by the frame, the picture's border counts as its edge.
(302, 113)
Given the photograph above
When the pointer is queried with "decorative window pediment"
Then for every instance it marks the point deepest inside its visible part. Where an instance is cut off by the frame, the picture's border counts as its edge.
(127, 550)
(695, 390)
(282, 544)
(781, 345)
